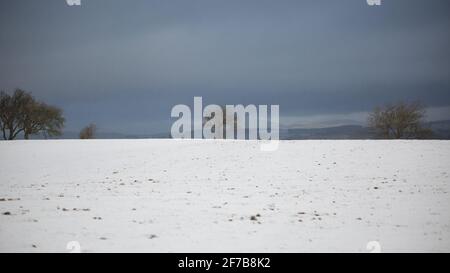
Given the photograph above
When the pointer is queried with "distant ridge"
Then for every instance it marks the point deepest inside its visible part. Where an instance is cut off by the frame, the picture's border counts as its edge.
(441, 130)
(338, 132)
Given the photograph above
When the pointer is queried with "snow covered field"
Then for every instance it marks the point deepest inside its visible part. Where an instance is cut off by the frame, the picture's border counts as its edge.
(224, 196)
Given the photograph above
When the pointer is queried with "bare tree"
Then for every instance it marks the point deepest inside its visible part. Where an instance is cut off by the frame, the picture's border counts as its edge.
(13, 112)
(401, 120)
(88, 132)
(221, 126)
(21, 113)
(43, 119)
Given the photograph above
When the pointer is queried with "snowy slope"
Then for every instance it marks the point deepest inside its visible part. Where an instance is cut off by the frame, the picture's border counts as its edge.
(224, 196)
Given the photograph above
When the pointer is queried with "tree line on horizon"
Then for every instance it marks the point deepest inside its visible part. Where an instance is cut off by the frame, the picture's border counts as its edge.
(22, 114)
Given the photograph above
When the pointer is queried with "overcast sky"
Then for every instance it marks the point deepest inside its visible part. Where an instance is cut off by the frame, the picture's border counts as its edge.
(124, 64)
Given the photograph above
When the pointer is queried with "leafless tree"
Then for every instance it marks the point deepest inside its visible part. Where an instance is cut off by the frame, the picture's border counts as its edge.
(45, 119)
(88, 132)
(400, 120)
(221, 126)
(21, 113)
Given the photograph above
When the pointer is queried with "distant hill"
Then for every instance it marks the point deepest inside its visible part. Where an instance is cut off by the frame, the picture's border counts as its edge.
(339, 132)
(108, 135)
(441, 130)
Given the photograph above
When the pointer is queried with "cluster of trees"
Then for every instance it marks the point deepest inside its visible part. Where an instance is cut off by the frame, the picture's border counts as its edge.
(22, 114)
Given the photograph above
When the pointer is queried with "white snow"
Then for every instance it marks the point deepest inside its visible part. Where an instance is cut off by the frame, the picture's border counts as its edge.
(200, 196)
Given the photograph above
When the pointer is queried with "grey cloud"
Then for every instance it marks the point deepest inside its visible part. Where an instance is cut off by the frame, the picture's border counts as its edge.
(128, 62)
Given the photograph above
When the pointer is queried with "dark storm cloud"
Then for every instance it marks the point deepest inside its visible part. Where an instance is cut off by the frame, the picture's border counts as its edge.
(124, 64)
